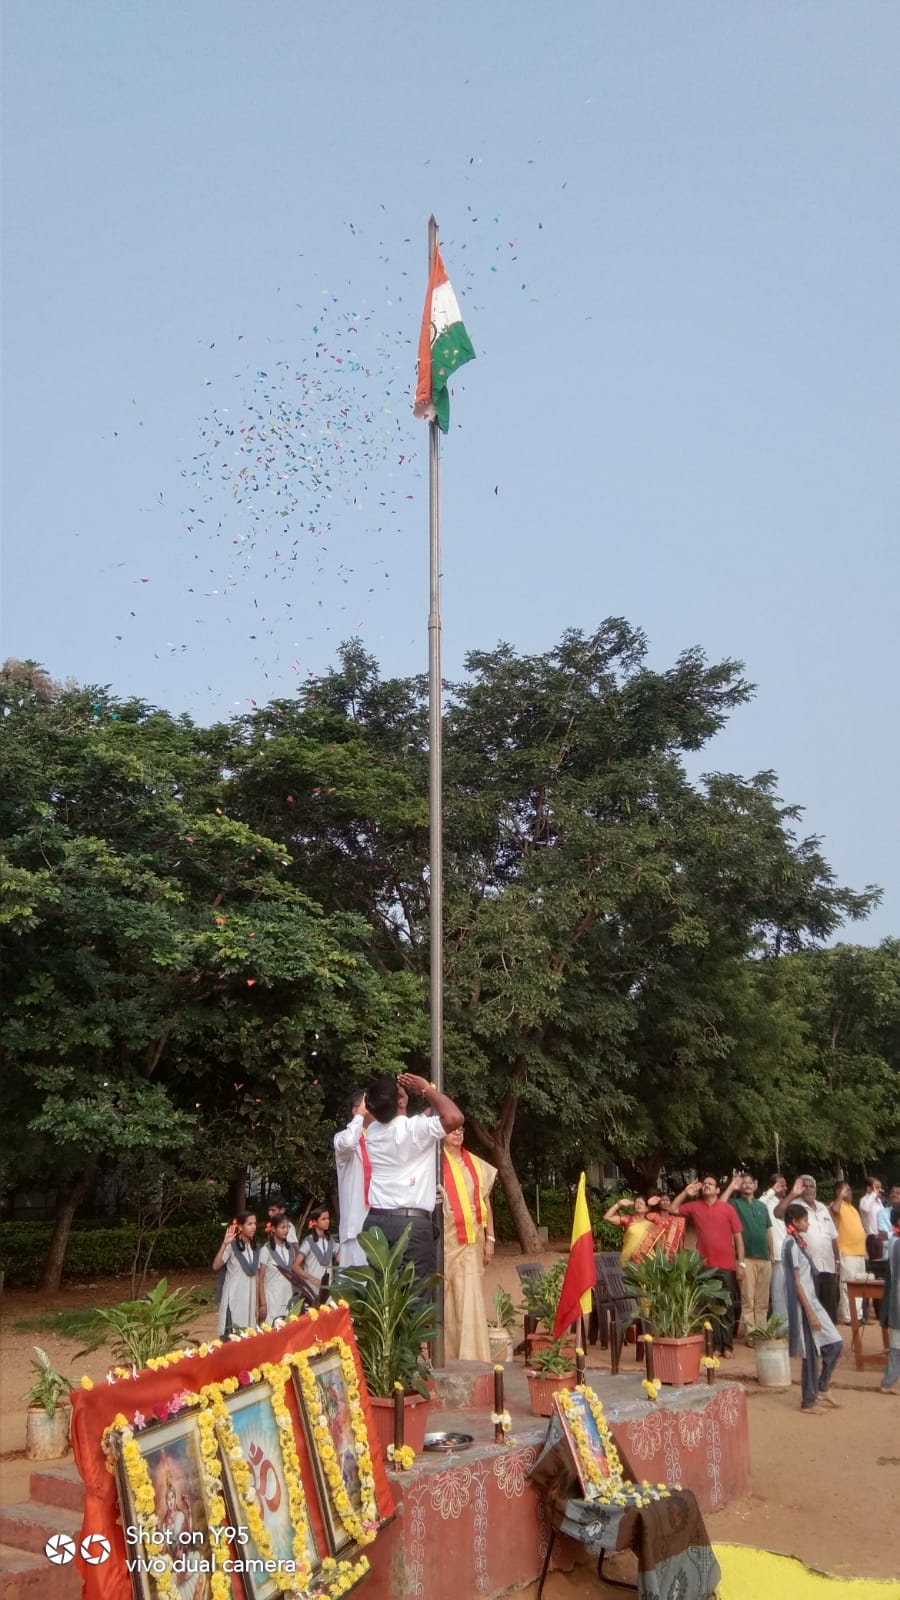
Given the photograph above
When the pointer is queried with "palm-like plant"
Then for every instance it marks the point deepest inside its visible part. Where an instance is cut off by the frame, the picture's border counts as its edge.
(679, 1295)
(137, 1330)
(391, 1319)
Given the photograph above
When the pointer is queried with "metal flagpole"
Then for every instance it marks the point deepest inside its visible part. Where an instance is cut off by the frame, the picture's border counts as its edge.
(435, 818)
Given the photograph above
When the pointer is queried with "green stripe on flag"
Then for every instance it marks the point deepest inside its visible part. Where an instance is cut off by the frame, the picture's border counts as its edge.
(451, 349)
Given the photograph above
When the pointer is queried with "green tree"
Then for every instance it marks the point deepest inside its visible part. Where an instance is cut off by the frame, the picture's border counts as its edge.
(168, 986)
(850, 1003)
(607, 921)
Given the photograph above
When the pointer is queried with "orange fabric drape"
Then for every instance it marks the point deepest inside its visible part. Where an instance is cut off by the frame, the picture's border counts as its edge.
(94, 1409)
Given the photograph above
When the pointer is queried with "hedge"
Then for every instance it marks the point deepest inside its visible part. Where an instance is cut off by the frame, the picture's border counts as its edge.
(96, 1251)
(557, 1207)
(104, 1252)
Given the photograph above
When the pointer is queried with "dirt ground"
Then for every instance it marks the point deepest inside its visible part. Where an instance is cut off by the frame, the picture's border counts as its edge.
(821, 1486)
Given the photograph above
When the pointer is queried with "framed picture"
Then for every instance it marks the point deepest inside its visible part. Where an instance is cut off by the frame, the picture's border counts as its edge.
(172, 1453)
(253, 1420)
(330, 1382)
(586, 1443)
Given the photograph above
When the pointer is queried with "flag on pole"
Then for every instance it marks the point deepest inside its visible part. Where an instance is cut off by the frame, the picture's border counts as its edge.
(581, 1270)
(444, 345)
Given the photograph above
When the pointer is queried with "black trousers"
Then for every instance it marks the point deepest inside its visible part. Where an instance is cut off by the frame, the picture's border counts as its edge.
(421, 1246)
(723, 1326)
(828, 1290)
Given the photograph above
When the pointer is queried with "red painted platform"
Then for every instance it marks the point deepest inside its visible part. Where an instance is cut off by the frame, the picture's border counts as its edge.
(468, 1524)
(471, 1524)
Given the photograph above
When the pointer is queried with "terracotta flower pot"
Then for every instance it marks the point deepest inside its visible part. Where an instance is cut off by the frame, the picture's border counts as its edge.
(415, 1421)
(542, 1387)
(47, 1438)
(677, 1360)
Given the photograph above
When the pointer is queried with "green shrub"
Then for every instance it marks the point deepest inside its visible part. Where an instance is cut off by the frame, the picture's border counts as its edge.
(94, 1252)
(557, 1206)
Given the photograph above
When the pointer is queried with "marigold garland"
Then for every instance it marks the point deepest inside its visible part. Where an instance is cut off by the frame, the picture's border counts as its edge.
(401, 1455)
(361, 1526)
(218, 1438)
(612, 1490)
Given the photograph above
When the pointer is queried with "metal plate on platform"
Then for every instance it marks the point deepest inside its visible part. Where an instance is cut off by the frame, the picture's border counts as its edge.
(448, 1441)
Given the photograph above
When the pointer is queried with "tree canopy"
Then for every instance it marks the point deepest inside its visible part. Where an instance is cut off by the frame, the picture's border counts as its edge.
(209, 934)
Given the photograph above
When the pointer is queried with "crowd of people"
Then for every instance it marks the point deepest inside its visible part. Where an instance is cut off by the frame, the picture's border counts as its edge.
(783, 1253)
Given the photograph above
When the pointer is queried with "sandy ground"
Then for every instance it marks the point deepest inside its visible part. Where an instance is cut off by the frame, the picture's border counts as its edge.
(822, 1486)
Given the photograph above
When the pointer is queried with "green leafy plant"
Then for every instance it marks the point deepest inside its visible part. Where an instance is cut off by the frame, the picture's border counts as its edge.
(678, 1295)
(137, 1330)
(553, 1361)
(775, 1328)
(49, 1387)
(541, 1295)
(391, 1319)
(504, 1311)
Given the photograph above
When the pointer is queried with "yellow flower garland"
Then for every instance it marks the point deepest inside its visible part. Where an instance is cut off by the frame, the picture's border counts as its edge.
(401, 1456)
(652, 1387)
(218, 1437)
(579, 1433)
(361, 1526)
(611, 1491)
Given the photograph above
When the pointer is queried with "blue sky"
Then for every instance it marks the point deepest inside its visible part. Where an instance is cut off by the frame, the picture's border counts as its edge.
(674, 231)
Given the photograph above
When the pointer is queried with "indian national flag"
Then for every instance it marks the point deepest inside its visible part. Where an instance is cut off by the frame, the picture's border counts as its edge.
(581, 1269)
(444, 345)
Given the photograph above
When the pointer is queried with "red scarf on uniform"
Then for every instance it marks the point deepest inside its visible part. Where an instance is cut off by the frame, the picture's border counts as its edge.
(367, 1167)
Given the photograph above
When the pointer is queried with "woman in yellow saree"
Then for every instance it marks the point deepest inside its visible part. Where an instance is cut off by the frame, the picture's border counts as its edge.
(645, 1232)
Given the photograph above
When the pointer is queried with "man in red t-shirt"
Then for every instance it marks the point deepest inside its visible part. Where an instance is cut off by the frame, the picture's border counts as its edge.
(720, 1241)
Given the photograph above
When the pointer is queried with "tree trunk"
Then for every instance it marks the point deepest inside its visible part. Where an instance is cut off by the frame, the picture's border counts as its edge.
(68, 1200)
(642, 1172)
(237, 1191)
(497, 1144)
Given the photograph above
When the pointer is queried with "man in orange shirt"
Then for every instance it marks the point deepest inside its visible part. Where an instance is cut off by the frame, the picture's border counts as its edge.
(851, 1233)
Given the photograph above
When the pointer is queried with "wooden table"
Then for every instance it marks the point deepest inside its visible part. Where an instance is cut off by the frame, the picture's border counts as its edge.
(864, 1289)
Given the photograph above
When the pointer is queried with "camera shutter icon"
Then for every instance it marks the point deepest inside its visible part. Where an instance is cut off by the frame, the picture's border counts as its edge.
(95, 1549)
(60, 1549)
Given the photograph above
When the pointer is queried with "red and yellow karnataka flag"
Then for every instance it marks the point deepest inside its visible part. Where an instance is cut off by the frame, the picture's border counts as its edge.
(444, 346)
(581, 1271)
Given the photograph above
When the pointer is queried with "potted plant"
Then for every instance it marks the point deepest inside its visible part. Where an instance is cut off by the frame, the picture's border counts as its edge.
(770, 1347)
(500, 1328)
(540, 1297)
(551, 1370)
(677, 1296)
(49, 1413)
(392, 1320)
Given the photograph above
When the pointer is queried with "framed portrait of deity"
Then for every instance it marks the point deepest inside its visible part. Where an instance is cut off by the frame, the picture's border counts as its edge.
(179, 1540)
(262, 1468)
(587, 1437)
(333, 1414)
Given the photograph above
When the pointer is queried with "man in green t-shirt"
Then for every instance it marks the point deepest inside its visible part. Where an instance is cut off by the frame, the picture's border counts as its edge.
(756, 1227)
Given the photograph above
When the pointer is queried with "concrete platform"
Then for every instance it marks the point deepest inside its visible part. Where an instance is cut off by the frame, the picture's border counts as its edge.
(467, 1524)
(470, 1523)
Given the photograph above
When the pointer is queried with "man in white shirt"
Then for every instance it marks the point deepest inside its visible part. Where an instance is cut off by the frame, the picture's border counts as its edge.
(402, 1155)
(870, 1204)
(353, 1195)
(821, 1240)
(773, 1196)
